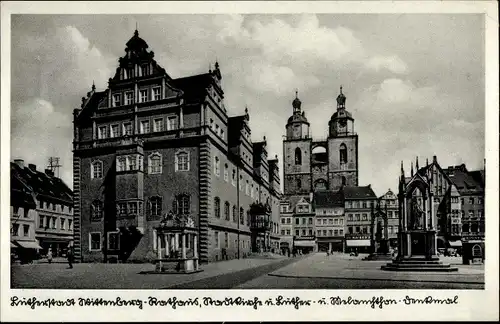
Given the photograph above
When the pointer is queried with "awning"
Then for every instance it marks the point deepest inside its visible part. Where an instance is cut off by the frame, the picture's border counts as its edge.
(357, 242)
(29, 245)
(455, 243)
(304, 243)
(12, 245)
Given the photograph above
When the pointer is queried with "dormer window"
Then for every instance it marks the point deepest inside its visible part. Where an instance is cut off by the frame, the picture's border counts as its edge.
(144, 70)
(116, 100)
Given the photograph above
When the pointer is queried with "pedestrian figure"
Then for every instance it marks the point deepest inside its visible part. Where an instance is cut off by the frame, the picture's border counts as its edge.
(70, 256)
(49, 255)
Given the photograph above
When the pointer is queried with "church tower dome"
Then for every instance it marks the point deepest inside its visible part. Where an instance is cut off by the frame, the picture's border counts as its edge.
(297, 125)
(341, 123)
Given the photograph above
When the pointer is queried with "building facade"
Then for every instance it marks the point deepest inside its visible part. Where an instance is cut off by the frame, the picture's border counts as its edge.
(470, 186)
(389, 206)
(42, 209)
(358, 211)
(330, 217)
(150, 144)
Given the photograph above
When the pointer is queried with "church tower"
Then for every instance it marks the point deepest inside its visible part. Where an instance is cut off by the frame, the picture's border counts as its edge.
(342, 147)
(297, 152)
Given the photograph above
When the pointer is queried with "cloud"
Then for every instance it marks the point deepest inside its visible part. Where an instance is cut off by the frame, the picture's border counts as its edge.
(392, 63)
(306, 44)
(39, 131)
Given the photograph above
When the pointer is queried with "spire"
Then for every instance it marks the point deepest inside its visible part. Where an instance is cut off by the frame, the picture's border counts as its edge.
(402, 169)
(416, 163)
(411, 172)
(341, 100)
(296, 104)
(93, 85)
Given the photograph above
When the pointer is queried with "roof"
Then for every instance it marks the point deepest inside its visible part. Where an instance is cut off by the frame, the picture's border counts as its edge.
(40, 183)
(235, 124)
(465, 181)
(342, 114)
(358, 192)
(194, 87)
(297, 117)
(294, 200)
(328, 198)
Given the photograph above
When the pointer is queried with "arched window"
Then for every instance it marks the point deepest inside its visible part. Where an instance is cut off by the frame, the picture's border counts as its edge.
(181, 204)
(96, 210)
(343, 153)
(182, 161)
(154, 163)
(216, 166)
(96, 170)
(298, 156)
(226, 211)
(242, 217)
(248, 218)
(299, 184)
(155, 206)
(235, 214)
(233, 179)
(217, 207)
(226, 172)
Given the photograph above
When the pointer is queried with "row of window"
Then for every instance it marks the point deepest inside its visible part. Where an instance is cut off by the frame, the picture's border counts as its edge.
(226, 243)
(331, 221)
(95, 241)
(25, 230)
(181, 205)
(227, 216)
(366, 229)
(251, 189)
(134, 162)
(130, 72)
(216, 129)
(50, 222)
(348, 204)
(113, 131)
(55, 207)
(336, 232)
(127, 97)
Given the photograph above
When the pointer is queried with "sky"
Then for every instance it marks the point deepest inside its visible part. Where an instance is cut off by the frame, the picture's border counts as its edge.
(414, 82)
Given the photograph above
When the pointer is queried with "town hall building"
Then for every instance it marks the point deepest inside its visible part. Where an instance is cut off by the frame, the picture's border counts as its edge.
(151, 145)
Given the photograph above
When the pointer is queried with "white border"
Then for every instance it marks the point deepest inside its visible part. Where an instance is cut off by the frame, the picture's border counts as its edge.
(474, 305)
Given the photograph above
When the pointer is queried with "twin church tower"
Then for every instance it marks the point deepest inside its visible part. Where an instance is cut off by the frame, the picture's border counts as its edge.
(326, 164)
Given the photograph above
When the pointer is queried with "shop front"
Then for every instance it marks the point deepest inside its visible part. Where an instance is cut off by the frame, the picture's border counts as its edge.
(330, 244)
(359, 244)
(304, 245)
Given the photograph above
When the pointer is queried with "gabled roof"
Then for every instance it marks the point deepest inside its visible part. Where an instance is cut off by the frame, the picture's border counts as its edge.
(466, 182)
(194, 87)
(328, 199)
(39, 183)
(359, 192)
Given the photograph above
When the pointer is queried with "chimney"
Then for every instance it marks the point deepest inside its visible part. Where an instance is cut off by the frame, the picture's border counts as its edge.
(434, 159)
(49, 172)
(32, 167)
(19, 162)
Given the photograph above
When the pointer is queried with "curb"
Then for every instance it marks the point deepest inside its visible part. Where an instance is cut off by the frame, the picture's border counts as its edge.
(374, 279)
